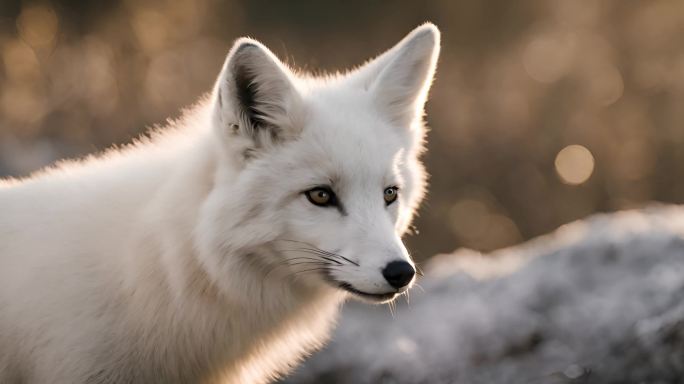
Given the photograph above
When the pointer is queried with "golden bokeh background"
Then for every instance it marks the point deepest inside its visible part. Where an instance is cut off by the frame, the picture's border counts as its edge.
(542, 112)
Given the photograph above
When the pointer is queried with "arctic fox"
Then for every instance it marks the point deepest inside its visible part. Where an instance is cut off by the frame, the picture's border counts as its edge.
(220, 248)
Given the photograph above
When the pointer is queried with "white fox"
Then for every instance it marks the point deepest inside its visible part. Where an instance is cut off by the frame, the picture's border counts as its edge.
(220, 248)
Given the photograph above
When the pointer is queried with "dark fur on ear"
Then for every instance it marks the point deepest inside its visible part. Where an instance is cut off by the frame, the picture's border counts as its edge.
(246, 92)
(261, 94)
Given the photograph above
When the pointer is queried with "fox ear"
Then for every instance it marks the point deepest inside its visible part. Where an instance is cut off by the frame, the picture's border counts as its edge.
(401, 77)
(255, 95)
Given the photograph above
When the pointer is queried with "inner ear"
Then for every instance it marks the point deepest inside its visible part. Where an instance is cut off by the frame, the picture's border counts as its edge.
(261, 102)
(400, 77)
(245, 87)
(257, 95)
(402, 85)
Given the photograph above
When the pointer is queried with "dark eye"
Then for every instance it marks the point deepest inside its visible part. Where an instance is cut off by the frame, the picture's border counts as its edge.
(321, 196)
(391, 195)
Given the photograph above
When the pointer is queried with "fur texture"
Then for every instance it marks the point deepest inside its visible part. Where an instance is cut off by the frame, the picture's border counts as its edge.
(195, 255)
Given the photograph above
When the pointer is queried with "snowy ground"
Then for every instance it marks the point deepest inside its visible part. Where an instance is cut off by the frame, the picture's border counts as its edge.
(598, 301)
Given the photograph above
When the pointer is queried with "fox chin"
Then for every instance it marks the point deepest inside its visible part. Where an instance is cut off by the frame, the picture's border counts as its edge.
(220, 248)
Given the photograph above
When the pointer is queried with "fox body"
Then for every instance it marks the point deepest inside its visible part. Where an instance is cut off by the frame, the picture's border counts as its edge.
(219, 248)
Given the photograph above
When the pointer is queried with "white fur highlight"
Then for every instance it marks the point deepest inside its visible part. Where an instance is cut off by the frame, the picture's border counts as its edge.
(182, 258)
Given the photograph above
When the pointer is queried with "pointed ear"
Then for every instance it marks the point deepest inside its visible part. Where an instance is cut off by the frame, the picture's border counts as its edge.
(401, 77)
(255, 96)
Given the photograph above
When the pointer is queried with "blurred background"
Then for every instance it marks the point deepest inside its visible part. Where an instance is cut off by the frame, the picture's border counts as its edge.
(542, 112)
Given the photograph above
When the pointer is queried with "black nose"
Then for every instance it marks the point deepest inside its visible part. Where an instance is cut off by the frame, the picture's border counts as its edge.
(398, 273)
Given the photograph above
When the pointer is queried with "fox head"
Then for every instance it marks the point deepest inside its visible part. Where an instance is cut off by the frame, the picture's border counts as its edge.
(319, 177)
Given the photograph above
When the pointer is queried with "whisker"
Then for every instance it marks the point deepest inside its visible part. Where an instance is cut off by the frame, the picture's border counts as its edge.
(309, 262)
(350, 261)
(313, 252)
(391, 308)
(316, 249)
(330, 260)
(315, 258)
(302, 258)
(288, 262)
(331, 254)
(324, 270)
(312, 270)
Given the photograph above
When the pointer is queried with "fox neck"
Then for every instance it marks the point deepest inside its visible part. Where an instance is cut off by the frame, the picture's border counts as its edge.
(230, 316)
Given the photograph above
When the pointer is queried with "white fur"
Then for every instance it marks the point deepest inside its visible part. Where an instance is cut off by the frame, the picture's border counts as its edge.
(178, 259)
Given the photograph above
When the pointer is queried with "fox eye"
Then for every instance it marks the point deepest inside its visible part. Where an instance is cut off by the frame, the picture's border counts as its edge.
(321, 196)
(391, 194)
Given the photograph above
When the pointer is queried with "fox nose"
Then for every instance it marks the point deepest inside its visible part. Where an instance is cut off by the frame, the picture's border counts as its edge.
(398, 273)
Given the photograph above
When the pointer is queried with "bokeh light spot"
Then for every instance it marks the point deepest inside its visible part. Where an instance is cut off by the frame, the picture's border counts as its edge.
(574, 164)
(547, 58)
(20, 62)
(476, 222)
(606, 85)
(21, 105)
(151, 29)
(38, 25)
(469, 218)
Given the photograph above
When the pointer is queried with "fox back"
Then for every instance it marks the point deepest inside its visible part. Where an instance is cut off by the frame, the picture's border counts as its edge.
(219, 248)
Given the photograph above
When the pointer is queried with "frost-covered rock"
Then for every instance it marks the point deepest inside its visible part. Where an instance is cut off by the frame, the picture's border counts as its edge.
(598, 301)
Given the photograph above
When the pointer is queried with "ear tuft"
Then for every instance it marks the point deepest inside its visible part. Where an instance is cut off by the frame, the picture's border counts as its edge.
(427, 28)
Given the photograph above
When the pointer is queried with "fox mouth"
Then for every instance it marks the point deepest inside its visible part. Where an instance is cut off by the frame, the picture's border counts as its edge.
(374, 297)
(367, 296)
